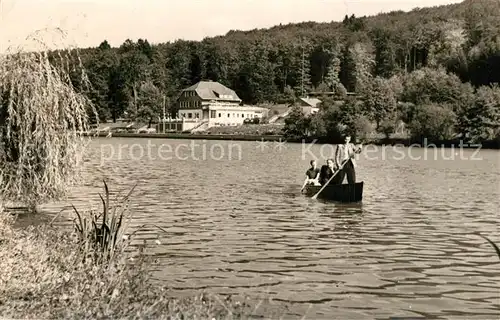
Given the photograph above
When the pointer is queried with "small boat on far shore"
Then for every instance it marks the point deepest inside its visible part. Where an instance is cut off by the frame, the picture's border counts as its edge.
(338, 192)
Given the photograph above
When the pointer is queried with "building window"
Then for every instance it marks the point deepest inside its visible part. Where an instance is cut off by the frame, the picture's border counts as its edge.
(228, 115)
(243, 116)
(190, 115)
(220, 115)
(197, 115)
(212, 114)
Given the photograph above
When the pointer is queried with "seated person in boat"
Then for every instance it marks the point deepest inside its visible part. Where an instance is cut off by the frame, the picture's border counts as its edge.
(327, 171)
(312, 175)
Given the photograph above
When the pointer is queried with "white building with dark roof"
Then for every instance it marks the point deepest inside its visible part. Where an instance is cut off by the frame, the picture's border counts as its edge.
(309, 105)
(208, 104)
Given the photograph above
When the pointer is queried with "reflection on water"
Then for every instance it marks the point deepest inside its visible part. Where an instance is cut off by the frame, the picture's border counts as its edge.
(242, 227)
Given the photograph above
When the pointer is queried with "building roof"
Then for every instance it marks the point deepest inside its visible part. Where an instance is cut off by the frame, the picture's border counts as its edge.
(313, 102)
(212, 90)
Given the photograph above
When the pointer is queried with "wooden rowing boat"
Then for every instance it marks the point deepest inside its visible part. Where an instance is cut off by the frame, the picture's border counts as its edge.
(338, 192)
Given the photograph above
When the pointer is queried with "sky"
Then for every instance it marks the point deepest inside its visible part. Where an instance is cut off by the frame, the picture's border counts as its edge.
(35, 24)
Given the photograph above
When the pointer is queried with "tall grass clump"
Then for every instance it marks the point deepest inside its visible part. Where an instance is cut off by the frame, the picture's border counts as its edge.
(101, 234)
(42, 121)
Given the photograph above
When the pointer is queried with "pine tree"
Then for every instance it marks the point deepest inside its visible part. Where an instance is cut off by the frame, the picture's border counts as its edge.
(332, 78)
(303, 85)
(385, 64)
(363, 66)
(348, 68)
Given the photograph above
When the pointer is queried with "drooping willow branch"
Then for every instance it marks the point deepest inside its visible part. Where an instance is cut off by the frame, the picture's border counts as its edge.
(42, 121)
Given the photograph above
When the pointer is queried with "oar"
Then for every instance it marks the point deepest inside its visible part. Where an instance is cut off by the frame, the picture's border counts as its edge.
(341, 167)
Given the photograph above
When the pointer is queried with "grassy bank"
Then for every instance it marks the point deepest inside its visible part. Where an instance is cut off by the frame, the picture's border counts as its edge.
(236, 137)
(48, 273)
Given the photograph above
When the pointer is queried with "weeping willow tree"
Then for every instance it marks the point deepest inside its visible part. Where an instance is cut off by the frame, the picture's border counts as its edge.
(42, 121)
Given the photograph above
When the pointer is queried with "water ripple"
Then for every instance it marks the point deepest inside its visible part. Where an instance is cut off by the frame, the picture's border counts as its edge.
(242, 227)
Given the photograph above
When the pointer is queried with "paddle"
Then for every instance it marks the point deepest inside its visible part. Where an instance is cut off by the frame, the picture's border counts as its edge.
(323, 187)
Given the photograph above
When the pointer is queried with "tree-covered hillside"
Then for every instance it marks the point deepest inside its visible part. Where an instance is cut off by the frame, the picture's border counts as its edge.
(439, 62)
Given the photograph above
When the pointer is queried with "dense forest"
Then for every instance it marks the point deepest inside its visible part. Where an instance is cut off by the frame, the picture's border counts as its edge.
(434, 69)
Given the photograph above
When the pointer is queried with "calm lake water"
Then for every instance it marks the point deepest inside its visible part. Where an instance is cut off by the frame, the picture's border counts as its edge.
(237, 224)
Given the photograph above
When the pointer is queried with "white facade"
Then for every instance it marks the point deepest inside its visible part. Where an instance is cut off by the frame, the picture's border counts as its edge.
(221, 114)
(190, 114)
(177, 125)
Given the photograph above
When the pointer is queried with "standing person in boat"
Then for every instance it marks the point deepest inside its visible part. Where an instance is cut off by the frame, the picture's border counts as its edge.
(327, 171)
(344, 153)
(312, 175)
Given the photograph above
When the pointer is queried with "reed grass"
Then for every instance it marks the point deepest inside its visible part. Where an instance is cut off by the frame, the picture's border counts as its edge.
(101, 234)
(42, 121)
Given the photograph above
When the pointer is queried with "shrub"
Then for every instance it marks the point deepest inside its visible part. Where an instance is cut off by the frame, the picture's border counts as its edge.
(481, 119)
(434, 122)
(362, 128)
(387, 126)
(296, 124)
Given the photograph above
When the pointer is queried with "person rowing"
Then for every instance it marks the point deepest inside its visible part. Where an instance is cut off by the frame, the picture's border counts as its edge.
(312, 175)
(344, 153)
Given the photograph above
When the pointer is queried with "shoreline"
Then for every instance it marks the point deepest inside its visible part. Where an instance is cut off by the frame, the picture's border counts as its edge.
(490, 145)
(47, 272)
